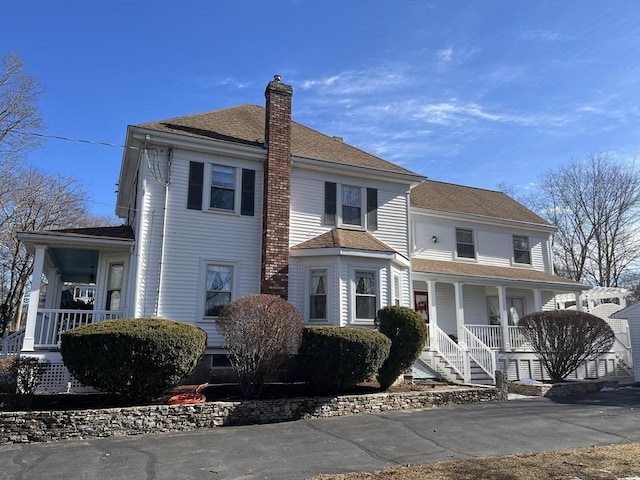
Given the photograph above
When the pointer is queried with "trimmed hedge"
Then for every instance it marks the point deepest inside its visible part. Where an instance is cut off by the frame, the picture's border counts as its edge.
(408, 334)
(332, 359)
(138, 358)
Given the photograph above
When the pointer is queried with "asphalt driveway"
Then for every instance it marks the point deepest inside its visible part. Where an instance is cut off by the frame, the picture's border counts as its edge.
(300, 449)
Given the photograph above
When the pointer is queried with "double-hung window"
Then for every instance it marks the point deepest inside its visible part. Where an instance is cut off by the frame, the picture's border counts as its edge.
(218, 284)
(318, 296)
(464, 243)
(521, 250)
(366, 295)
(350, 206)
(223, 187)
(226, 188)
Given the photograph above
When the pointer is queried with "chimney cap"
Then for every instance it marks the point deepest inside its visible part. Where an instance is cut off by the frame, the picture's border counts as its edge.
(277, 78)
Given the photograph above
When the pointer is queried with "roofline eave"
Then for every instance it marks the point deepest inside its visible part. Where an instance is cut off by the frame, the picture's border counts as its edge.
(417, 210)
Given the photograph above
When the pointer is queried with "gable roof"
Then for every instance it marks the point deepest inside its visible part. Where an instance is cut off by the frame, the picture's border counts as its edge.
(448, 197)
(489, 272)
(245, 124)
(344, 238)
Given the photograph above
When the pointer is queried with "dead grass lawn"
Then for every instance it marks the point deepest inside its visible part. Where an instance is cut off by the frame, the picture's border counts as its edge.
(612, 462)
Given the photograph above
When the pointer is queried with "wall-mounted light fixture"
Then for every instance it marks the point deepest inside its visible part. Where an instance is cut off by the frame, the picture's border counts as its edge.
(92, 275)
(434, 239)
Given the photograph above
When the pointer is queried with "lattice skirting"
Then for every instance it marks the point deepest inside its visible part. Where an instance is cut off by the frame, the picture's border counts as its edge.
(58, 379)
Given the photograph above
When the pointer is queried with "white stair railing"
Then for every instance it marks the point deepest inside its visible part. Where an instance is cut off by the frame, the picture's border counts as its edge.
(622, 352)
(490, 335)
(11, 345)
(454, 355)
(480, 353)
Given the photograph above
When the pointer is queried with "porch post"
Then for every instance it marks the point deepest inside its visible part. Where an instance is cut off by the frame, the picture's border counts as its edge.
(578, 296)
(504, 318)
(460, 313)
(433, 312)
(34, 300)
(537, 299)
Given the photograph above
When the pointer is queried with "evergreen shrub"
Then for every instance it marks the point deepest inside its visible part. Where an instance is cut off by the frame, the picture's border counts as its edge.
(139, 358)
(408, 334)
(332, 359)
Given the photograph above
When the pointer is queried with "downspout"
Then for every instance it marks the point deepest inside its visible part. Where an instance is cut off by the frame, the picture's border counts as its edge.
(166, 184)
(410, 232)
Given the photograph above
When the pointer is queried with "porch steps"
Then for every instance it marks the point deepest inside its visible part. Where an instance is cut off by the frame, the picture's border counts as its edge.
(435, 363)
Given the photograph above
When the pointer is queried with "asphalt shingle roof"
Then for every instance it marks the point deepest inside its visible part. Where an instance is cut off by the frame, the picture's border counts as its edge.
(488, 271)
(245, 124)
(344, 238)
(448, 197)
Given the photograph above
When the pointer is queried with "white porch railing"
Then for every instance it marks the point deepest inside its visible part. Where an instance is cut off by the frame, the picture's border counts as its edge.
(11, 345)
(517, 340)
(623, 352)
(51, 323)
(454, 355)
(484, 357)
(490, 335)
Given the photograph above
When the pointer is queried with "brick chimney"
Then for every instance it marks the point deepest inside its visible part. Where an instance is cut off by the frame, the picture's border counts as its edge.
(277, 190)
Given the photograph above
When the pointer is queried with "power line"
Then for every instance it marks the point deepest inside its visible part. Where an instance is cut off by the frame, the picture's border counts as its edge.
(79, 140)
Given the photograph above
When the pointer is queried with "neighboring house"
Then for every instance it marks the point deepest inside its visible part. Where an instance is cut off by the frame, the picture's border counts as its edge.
(244, 200)
(632, 315)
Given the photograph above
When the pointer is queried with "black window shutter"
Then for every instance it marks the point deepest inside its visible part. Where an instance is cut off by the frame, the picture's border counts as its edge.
(196, 179)
(248, 192)
(372, 209)
(329, 203)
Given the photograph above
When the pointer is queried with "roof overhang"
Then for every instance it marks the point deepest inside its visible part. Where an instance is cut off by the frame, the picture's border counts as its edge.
(455, 272)
(350, 252)
(469, 217)
(75, 256)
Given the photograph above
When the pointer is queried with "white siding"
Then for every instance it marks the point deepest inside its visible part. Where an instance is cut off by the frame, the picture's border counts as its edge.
(307, 208)
(191, 238)
(445, 301)
(493, 244)
(475, 305)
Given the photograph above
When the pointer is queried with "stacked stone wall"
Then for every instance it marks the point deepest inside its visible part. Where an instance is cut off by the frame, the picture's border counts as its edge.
(26, 427)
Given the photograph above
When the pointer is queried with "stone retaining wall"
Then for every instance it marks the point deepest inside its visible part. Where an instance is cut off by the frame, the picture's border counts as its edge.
(26, 427)
(559, 389)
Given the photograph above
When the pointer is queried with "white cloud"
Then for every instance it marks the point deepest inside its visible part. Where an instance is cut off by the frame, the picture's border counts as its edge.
(358, 82)
(544, 35)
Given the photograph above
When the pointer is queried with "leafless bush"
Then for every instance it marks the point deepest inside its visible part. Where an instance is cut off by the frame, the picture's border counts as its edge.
(565, 339)
(261, 331)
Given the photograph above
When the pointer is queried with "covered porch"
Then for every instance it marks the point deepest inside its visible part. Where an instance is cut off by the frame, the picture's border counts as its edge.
(80, 276)
(473, 312)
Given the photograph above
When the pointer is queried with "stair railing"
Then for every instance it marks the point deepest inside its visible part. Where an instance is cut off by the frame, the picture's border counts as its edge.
(453, 354)
(480, 353)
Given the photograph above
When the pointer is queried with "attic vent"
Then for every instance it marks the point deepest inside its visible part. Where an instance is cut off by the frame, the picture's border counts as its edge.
(338, 139)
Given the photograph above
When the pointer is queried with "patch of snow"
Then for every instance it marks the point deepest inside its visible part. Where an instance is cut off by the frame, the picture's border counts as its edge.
(528, 381)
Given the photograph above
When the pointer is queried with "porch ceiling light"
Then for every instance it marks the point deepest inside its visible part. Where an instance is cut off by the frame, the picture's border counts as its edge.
(434, 239)
(92, 275)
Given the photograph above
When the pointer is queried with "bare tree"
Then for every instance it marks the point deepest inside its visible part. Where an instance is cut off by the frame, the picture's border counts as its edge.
(19, 114)
(565, 339)
(31, 200)
(595, 205)
(260, 331)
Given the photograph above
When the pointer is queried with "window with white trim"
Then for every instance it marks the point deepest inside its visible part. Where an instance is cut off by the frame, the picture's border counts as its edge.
(350, 206)
(366, 296)
(223, 187)
(515, 310)
(396, 289)
(521, 250)
(229, 189)
(218, 284)
(318, 295)
(465, 246)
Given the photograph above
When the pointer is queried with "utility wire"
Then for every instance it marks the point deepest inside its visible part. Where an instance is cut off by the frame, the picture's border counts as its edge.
(79, 140)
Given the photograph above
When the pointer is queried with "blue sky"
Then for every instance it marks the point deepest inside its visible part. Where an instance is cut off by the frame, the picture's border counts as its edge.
(469, 92)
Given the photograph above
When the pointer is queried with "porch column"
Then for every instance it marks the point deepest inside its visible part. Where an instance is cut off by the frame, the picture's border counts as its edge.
(54, 289)
(34, 300)
(504, 318)
(460, 313)
(433, 312)
(579, 302)
(537, 299)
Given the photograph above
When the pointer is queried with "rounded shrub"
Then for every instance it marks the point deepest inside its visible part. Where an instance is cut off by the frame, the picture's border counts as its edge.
(332, 359)
(138, 358)
(408, 334)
